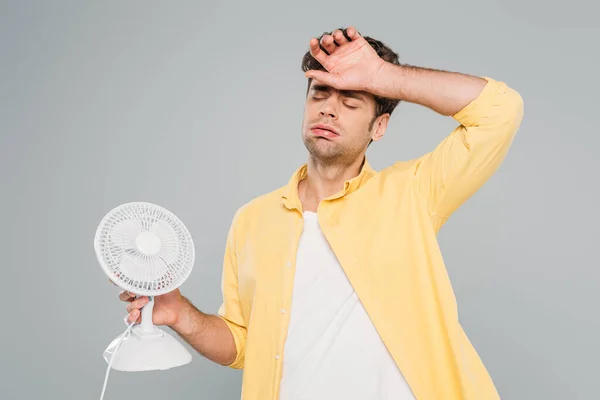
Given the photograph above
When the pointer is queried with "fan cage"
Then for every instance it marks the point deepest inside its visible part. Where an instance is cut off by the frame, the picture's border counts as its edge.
(112, 251)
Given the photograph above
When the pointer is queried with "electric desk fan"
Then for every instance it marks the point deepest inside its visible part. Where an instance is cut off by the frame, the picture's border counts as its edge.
(146, 250)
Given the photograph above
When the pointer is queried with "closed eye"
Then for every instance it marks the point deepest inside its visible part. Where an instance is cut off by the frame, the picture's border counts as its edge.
(352, 105)
(352, 100)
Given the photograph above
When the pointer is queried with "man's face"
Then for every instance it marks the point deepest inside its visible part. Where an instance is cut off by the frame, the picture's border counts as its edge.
(338, 125)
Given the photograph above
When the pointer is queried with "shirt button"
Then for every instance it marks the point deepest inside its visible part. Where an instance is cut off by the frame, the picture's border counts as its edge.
(283, 310)
(277, 357)
(288, 264)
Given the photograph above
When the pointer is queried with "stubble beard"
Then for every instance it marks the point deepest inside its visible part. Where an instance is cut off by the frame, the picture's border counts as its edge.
(326, 152)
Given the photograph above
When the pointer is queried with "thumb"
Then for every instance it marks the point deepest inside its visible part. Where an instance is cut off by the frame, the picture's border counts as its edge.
(323, 77)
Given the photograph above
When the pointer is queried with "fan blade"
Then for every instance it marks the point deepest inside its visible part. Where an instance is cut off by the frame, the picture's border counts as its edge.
(124, 233)
(168, 240)
(163, 230)
(144, 270)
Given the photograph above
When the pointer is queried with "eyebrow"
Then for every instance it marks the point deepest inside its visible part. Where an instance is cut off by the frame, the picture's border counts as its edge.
(346, 93)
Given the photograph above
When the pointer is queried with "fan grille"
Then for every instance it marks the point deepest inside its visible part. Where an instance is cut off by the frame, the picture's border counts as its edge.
(144, 248)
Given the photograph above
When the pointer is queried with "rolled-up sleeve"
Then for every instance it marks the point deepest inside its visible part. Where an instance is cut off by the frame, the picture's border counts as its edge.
(471, 154)
(230, 309)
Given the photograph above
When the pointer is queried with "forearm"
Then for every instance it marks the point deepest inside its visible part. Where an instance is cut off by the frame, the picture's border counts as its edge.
(443, 92)
(207, 334)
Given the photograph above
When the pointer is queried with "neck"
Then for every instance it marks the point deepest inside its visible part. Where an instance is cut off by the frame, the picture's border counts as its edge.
(324, 180)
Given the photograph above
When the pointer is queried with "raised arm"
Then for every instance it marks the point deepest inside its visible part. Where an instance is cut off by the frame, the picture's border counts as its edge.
(471, 154)
(489, 113)
(444, 92)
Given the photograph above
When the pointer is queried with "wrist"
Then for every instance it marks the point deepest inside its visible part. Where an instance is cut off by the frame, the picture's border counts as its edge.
(387, 81)
(183, 319)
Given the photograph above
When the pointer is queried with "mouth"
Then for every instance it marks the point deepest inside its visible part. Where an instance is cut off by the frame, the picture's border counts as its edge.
(324, 131)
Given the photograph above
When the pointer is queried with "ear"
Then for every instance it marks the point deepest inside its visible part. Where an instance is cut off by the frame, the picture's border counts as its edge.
(379, 127)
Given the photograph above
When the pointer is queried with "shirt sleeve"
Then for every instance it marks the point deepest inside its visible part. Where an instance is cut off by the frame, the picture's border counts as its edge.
(230, 309)
(467, 158)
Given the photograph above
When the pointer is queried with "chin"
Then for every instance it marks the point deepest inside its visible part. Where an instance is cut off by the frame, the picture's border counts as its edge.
(323, 149)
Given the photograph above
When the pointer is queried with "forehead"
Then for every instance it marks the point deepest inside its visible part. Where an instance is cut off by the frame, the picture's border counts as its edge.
(355, 94)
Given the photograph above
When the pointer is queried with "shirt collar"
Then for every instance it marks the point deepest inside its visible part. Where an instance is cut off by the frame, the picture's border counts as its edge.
(290, 196)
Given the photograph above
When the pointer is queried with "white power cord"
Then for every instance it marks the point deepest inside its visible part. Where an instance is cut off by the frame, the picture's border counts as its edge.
(113, 355)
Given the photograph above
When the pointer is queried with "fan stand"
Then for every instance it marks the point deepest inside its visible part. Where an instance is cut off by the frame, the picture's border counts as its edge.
(146, 348)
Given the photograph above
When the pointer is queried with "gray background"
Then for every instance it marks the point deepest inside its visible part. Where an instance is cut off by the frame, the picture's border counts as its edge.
(197, 107)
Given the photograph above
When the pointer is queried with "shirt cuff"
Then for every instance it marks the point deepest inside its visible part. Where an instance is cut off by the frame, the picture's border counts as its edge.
(239, 337)
(479, 107)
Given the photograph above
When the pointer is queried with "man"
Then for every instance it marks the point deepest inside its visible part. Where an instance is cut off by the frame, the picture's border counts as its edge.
(333, 285)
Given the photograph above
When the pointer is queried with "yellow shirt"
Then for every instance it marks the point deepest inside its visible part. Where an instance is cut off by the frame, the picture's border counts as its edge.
(382, 227)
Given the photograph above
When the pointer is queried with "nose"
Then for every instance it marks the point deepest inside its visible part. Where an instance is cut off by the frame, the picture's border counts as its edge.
(327, 110)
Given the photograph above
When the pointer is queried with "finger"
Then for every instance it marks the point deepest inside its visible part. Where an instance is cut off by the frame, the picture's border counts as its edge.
(339, 37)
(352, 33)
(323, 77)
(126, 296)
(137, 304)
(133, 316)
(317, 52)
(328, 44)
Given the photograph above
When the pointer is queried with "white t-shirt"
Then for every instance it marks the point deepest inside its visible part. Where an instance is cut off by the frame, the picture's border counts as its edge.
(332, 349)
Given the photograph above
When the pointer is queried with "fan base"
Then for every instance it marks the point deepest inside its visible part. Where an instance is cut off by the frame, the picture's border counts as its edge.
(147, 351)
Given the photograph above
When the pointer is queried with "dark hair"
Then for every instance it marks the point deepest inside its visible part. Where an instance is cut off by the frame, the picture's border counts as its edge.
(383, 105)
